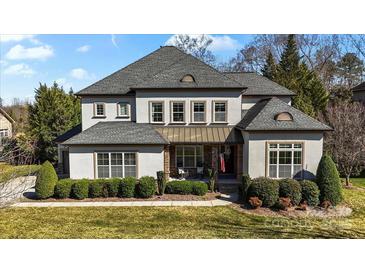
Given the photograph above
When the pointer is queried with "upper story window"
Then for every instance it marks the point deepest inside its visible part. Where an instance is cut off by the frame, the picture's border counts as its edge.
(157, 112)
(123, 109)
(99, 109)
(177, 112)
(188, 78)
(4, 133)
(198, 112)
(219, 111)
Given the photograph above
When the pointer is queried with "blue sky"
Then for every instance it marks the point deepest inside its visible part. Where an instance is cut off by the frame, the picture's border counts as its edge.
(80, 60)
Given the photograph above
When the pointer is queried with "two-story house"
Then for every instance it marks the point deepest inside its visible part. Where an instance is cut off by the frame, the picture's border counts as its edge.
(169, 111)
(359, 93)
(6, 127)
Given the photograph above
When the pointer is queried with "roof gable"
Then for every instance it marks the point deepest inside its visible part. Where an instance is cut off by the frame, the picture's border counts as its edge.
(360, 87)
(7, 116)
(262, 117)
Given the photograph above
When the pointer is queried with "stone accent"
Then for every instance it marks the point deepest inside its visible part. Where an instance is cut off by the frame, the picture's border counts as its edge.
(166, 162)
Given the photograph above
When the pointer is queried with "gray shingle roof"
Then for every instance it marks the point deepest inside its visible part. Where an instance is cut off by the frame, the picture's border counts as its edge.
(68, 134)
(262, 117)
(360, 87)
(259, 85)
(129, 133)
(160, 69)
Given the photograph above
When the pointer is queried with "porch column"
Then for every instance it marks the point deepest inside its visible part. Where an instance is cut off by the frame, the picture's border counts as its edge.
(239, 158)
(166, 162)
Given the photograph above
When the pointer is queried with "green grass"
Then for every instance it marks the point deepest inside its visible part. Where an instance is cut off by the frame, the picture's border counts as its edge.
(359, 182)
(176, 222)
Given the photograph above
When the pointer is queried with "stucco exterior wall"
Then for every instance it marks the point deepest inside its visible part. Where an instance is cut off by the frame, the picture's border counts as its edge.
(82, 159)
(111, 111)
(255, 150)
(249, 101)
(232, 97)
(6, 124)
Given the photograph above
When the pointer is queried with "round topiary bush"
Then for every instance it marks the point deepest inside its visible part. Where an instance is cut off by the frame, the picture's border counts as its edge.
(265, 189)
(127, 187)
(179, 187)
(328, 181)
(112, 187)
(199, 188)
(146, 187)
(310, 192)
(80, 189)
(62, 189)
(46, 181)
(96, 188)
(289, 188)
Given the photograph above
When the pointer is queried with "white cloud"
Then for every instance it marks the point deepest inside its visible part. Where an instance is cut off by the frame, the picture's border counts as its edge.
(15, 37)
(19, 69)
(79, 73)
(19, 52)
(64, 83)
(3, 63)
(219, 43)
(84, 48)
(114, 40)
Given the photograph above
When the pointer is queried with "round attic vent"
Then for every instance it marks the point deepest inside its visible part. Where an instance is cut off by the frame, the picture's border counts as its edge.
(283, 116)
(188, 78)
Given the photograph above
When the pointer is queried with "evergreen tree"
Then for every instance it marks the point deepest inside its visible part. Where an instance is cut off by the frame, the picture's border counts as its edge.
(269, 69)
(52, 113)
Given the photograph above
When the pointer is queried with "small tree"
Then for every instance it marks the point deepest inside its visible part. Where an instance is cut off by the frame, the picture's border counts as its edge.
(46, 181)
(346, 143)
(328, 181)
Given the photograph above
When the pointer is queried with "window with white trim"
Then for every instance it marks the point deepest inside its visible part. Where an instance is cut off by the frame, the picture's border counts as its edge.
(285, 160)
(157, 112)
(189, 156)
(178, 112)
(99, 109)
(116, 164)
(4, 133)
(220, 112)
(123, 109)
(198, 109)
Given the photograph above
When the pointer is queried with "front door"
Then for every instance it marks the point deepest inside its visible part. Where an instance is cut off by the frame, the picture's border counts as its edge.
(226, 158)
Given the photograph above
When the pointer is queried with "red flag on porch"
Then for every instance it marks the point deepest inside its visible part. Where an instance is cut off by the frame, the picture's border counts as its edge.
(223, 166)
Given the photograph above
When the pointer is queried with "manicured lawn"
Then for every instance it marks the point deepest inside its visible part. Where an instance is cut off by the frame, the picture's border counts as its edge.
(359, 182)
(178, 222)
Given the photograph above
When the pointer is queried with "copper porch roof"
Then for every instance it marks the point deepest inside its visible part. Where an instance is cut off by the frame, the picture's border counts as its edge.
(201, 135)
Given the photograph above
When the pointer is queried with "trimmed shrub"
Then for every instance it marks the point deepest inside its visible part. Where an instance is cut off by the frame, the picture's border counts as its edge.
(146, 187)
(255, 202)
(265, 189)
(111, 187)
(80, 189)
(127, 187)
(310, 192)
(284, 203)
(328, 181)
(62, 190)
(46, 181)
(96, 188)
(179, 187)
(161, 182)
(199, 188)
(246, 182)
(289, 188)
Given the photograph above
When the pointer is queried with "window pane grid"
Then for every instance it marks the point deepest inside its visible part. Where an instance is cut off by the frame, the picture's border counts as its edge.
(220, 112)
(100, 109)
(189, 156)
(198, 112)
(123, 109)
(116, 164)
(157, 112)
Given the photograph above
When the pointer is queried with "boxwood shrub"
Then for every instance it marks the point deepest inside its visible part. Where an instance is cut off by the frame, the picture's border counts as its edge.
(310, 192)
(179, 187)
(267, 190)
(290, 188)
(62, 189)
(46, 181)
(80, 189)
(111, 187)
(146, 187)
(96, 188)
(127, 187)
(199, 188)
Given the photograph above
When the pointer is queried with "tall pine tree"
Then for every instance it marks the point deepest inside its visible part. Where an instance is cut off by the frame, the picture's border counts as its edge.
(269, 69)
(52, 113)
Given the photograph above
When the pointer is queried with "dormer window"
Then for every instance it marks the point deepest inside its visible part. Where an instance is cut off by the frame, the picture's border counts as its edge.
(188, 78)
(99, 110)
(283, 116)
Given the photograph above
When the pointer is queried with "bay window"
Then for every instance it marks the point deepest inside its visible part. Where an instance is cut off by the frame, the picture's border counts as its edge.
(116, 164)
(189, 156)
(285, 160)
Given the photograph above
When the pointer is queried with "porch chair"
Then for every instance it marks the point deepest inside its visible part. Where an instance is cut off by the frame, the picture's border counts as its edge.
(200, 172)
(183, 173)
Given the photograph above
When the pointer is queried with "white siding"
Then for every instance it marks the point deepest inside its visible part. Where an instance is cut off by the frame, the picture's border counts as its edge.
(255, 151)
(232, 97)
(82, 162)
(249, 101)
(111, 111)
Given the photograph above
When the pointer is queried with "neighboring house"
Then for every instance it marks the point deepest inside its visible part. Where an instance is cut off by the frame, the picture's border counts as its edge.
(169, 111)
(359, 93)
(6, 127)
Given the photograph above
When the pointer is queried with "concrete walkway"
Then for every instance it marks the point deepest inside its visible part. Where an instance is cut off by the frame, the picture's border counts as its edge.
(216, 202)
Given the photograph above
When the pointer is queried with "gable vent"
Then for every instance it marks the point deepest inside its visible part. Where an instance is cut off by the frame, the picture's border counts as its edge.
(188, 78)
(283, 116)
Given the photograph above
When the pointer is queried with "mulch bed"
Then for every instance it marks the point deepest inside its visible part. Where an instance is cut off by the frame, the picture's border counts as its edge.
(165, 197)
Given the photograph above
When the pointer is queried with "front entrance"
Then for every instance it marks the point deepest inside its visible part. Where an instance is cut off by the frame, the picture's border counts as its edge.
(226, 160)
